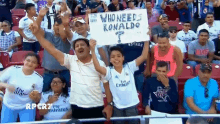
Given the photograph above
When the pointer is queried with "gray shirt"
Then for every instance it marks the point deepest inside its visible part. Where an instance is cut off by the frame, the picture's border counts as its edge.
(158, 30)
(201, 51)
(49, 62)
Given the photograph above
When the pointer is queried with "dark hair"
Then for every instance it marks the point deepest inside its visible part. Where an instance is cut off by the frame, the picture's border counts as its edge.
(203, 30)
(3, 32)
(33, 54)
(28, 6)
(116, 48)
(57, 19)
(163, 35)
(80, 39)
(197, 120)
(209, 13)
(187, 22)
(65, 90)
(162, 64)
(171, 28)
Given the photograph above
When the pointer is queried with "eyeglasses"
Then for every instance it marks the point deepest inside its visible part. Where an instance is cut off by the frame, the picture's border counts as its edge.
(206, 92)
(173, 31)
(56, 82)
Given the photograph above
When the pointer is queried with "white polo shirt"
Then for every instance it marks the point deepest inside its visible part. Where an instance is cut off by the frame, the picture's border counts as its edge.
(179, 44)
(24, 24)
(86, 89)
(213, 30)
(186, 37)
(58, 109)
(122, 85)
(24, 85)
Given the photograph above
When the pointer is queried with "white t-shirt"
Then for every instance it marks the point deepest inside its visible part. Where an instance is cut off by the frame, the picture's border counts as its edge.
(213, 30)
(179, 44)
(86, 89)
(24, 85)
(24, 24)
(122, 85)
(52, 15)
(186, 37)
(58, 108)
(16, 33)
(77, 36)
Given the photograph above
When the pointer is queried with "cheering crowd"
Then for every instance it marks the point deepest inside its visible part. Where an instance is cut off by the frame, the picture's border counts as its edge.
(74, 84)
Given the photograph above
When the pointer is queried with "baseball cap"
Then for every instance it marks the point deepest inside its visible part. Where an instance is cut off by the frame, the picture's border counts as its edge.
(205, 66)
(163, 16)
(79, 19)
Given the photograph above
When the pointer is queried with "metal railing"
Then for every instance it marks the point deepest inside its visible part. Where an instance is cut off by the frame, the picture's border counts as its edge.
(142, 118)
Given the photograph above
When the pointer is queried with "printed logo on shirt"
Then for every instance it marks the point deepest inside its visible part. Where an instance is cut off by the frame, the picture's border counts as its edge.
(123, 84)
(57, 108)
(19, 92)
(202, 52)
(205, 10)
(168, 63)
(64, 100)
(162, 94)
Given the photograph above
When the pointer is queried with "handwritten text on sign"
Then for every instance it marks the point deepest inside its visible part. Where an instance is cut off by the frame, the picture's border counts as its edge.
(119, 27)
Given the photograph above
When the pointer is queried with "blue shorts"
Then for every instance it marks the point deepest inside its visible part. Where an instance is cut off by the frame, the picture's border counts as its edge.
(10, 115)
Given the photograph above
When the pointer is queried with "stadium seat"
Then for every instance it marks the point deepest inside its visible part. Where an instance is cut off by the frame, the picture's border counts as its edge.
(152, 24)
(40, 71)
(18, 12)
(4, 59)
(215, 71)
(177, 24)
(140, 107)
(18, 57)
(180, 106)
(186, 74)
(15, 20)
(41, 55)
(15, 28)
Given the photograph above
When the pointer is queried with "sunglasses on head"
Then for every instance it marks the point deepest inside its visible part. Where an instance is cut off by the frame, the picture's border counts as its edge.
(78, 18)
(206, 92)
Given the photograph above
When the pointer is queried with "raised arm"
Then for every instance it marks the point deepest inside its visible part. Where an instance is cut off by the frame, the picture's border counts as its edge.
(163, 5)
(100, 69)
(144, 54)
(65, 22)
(58, 55)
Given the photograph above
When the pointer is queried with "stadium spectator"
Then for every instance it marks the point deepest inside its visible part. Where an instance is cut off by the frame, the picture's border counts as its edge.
(210, 25)
(152, 13)
(72, 5)
(216, 8)
(201, 50)
(86, 96)
(5, 13)
(121, 80)
(175, 41)
(142, 4)
(58, 96)
(131, 5)
(51, 66)
(170, 9)
(201, 92)
(115, 6)
(20, 4)
(196, 120)
(207, 8)
(162, 28)
(157, 6)
(164, 51)
(23, 86)
(9, 39)
(186, 35)
(82, 7)
(162, 91)
(33, 2)
(1, 101)
(217, 50)
(99, 6)
(30, 42)
(48, 20)
(184, 12)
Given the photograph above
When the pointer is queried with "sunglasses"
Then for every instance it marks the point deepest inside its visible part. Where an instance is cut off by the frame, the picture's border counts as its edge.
(173, 31)
(206, 92)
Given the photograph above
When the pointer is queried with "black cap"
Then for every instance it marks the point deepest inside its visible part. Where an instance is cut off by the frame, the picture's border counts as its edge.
(204, 67)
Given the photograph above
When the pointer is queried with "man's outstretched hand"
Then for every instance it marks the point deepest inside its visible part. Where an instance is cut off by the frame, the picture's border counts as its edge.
(34, 27)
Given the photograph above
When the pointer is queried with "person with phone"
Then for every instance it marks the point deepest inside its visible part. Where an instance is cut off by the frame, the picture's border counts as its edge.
(162, 90)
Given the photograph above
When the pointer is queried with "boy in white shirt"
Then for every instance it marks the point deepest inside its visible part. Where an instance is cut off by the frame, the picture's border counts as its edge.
(174, 41)
(30, 42)
(186, 35)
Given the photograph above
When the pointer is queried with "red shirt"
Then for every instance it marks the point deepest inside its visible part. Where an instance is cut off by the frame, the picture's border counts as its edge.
(173, 15)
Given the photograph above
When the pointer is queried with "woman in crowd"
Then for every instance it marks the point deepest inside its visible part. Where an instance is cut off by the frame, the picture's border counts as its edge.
(57, 96)
(23, 86)
(9, 39)
(121, 80)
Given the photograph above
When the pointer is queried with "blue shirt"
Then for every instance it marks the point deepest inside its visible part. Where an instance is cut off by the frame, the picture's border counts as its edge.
(193, 88)
(205, 9)
(184, 15)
